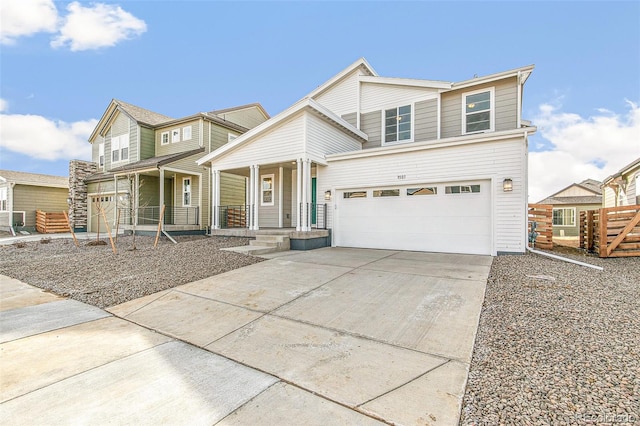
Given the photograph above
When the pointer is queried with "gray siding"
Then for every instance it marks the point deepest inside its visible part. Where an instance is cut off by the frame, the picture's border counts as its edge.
(371, 124)
(351, 118)
(232, 190)
(248, 117)
(183, 145)
(147, 143)
(269, 216)
(426, 120)
(287, 214)
(506, 95)
(219, 136)
(29, 198)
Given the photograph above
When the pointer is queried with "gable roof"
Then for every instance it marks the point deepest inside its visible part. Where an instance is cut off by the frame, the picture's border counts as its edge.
(141, 115)
(590, 185)
(626, 169)
(306, 103)
(34, 179)
(360, 63)
(256, 105)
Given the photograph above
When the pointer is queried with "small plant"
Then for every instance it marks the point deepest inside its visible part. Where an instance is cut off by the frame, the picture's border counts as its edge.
(19, 244)
(97, 243)
(45, 240)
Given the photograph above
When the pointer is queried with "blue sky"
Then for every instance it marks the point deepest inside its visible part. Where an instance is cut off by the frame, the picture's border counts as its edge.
(61, 63)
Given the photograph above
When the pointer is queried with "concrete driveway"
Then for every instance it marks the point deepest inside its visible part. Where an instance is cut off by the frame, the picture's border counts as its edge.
(329, 336)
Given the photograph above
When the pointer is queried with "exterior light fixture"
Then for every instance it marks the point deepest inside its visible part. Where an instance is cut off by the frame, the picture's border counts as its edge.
(327, 195)
(507, 185)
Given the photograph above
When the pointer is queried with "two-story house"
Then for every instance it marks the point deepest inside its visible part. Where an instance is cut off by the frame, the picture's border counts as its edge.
(389, 163)
(147, 160)
(622, 188)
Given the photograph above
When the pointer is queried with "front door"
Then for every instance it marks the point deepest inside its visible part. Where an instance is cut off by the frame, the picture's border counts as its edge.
(313, 201)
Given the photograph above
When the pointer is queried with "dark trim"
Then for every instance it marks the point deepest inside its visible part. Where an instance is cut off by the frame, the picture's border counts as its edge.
(510, 253)
(310, 243)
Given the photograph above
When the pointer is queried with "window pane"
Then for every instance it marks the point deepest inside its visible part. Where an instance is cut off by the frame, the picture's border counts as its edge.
(125, 153)
(355, 194)
(403, 136)
(452, 189)
(115, 156)
(430, 190)
(403, 127)
(404, 110)
(393, 121)
(267, 196)
(478, 102)
(391, 113)
(386, 193)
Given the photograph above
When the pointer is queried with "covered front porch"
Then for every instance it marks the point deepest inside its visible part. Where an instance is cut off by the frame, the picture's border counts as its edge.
(277, 196)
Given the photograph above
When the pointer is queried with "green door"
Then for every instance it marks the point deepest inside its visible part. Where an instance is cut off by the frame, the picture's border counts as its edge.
(313, 201)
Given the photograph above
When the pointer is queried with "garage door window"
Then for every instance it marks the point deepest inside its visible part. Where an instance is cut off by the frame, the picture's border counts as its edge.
(428, 190)
(355, 194)
(386, 193)
(461, 189)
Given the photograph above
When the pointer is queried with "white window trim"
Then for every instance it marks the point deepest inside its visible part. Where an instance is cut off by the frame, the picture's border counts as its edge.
(175, 139)
(565, 208)
(273, 190)
(162, 142)
(190, 191)
(115, 138)
(4, 200)
(101, 156)
(383, 127)
(492, 110)
(189, 130)
(122, 147)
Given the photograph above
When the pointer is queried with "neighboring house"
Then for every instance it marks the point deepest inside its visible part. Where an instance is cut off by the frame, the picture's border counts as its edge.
(569, 202)
(146, 160)
(21, 194)
(622, 188)
(390, 163)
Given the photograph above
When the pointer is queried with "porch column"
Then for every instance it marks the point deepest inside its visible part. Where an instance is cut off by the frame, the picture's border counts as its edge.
(298, 194)
(161, 192)
(136, 191)
(280, 197)
(257, 191)
(216, 199)
(251, 195)
(115, 198)
(306, 182)
(247, 201)
(309, 195)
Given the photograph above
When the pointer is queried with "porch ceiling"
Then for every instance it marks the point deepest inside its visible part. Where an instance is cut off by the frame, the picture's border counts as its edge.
(288, 165)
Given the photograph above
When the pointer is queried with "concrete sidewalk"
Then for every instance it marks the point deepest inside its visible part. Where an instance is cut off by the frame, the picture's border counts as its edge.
(330, 336)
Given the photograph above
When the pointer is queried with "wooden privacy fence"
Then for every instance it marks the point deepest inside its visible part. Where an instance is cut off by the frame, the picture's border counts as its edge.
(51, 223)
(542, 215)
(611, 232)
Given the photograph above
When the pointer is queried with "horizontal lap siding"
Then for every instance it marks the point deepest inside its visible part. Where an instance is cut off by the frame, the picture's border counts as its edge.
(426, 120)
(186, 166)
(371, 124)
(479, 161)
(232, 190)
(182, 146)
(95, 151)
(269, 216)
(506, 97)
(324, 139)
(375, 96)
(219, 136)
(249, 117)
(29, 198)
(283, 143)
(147, 143)
(342, 98)
(133, 141)
(351, 118)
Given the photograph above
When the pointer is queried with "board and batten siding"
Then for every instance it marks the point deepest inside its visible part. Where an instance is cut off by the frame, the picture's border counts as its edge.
(487, 160)
(342, 97)
(324, 139)
(506, 110)
(375, 96)
(183, 145)
(283, 143)
(30, 198)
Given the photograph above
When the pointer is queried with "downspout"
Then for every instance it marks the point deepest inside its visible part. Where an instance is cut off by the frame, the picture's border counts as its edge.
(519, 102)
(10, 210)
(553, 256)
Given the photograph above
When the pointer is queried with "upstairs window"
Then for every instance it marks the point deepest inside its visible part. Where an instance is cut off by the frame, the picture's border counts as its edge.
(186, 133)
(164, 138)
(101, 155)
(115, 149)
(175, 135)
(397, 124)
(230, 137)
(477, 111)
(119, 148)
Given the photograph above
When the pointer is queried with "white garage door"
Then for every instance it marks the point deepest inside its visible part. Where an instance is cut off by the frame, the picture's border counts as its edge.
(96, 202)
(452, 217)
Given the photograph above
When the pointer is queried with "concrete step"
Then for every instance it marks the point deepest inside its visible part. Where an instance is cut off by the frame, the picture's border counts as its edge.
(280, 242)
(253, 249)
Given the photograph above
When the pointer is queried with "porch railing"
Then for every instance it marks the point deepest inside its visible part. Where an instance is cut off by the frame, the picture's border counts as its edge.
(237, 216)
(150, 215)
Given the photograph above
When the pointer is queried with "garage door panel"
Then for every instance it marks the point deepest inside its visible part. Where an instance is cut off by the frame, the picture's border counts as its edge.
(455, 223)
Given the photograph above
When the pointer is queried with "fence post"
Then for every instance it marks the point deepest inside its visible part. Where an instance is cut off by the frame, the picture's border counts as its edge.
(589, 229)
(602, 249)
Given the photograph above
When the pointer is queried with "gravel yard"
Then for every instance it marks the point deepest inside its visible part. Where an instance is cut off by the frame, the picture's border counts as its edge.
(94, 275)
(557, 344)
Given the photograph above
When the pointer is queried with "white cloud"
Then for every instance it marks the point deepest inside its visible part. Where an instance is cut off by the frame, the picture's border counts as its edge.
(581, 148)
(4, 105)
(99, 25)
(44, 139)
(19, 18)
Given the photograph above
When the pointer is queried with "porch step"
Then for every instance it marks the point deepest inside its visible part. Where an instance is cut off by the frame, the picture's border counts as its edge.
(279, 242)
(253, 249)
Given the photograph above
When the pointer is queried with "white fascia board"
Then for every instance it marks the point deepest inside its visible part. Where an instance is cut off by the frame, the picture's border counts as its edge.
(429, 84)
(341, 75)
(256, 131)
(492, 77)
(338, 120)
(422, 146)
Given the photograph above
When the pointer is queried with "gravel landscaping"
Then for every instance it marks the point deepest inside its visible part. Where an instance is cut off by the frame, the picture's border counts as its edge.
(558, 344)
(95, 275)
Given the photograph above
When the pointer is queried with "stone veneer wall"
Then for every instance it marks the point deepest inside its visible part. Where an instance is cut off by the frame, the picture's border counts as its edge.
(78, 171)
